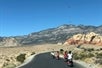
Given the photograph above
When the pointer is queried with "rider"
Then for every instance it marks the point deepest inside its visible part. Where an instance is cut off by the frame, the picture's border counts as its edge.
(70, 61)
(70, 56)
(65, 56)
(57, 55)
(53, 54)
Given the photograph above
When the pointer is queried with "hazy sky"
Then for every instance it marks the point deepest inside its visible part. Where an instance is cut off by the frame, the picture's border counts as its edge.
(21, 17)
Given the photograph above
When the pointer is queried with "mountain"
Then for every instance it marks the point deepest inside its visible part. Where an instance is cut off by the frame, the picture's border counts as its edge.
(52, 35)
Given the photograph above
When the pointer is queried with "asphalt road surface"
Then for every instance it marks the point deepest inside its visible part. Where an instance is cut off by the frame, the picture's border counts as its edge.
(45, 60)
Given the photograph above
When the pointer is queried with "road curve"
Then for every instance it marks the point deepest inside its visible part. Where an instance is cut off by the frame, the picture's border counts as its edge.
(45, 60)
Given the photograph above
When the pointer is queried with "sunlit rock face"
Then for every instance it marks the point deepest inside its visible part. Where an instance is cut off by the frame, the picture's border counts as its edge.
(89, 38)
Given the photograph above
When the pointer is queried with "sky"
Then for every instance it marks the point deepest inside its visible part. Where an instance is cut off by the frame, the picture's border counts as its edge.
(21, 17)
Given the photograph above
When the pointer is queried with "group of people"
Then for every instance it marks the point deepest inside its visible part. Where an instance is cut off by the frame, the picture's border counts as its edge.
(67, 55)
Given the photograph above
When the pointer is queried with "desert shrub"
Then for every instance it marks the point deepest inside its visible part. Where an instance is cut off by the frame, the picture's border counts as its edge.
(82, 48)
(21, 58)
(99, 61)
(99, 55)
(82, 55)
(76, 56)
(5, 64)
(97, 49)
(90, 49)
(79, 46)
(10, 66)
(79, 56)
(32, 53)
(100, 48)
(89, 55)
(7, 60)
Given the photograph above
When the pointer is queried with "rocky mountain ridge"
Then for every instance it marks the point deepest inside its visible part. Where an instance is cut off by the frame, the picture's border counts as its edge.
(52, 35)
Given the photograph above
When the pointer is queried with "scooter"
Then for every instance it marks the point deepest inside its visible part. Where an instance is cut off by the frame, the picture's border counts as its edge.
(70, 63)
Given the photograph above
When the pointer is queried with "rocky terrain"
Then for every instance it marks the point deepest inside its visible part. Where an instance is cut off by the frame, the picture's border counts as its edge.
(53, 35)
(89, 38)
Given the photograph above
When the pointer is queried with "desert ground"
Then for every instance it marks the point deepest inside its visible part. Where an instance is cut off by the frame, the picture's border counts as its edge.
(8, 54)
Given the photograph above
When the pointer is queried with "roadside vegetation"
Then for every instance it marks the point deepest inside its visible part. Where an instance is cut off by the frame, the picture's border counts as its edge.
(32, 53)
(89, 55)
(21, 58)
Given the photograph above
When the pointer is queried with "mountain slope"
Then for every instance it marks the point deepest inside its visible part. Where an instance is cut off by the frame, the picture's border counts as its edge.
(53, 35)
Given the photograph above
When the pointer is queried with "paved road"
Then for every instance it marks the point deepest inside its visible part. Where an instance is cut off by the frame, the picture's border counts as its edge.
(46, 61)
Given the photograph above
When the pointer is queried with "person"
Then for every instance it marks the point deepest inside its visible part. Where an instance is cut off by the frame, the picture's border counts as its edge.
(65, 56)
(53, 54)
(70, 55)
(61, 51)
(57, 55)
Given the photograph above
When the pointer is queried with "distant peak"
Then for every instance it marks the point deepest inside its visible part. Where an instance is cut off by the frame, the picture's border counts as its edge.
(66, 26)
